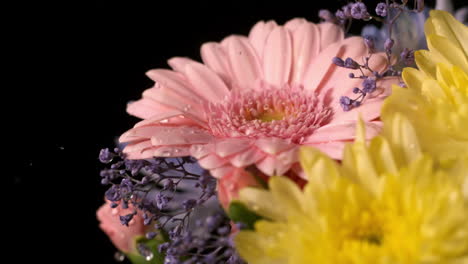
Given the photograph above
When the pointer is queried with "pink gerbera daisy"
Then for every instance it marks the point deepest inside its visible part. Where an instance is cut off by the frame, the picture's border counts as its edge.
(255, 100)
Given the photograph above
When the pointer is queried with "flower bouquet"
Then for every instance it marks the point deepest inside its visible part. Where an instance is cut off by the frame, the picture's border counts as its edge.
(300, 143)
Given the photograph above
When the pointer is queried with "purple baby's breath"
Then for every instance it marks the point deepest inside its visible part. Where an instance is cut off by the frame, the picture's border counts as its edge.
(381, 9)
(369, 85)
(359, 11)
(390, 11)
(208, 242)
(152, 187)
(105, 156)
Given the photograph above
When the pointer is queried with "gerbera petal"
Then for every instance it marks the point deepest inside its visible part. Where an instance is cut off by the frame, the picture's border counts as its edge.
(230, 146)
(167, 97)
(173, 81)
(329, 33)
(212, 161)
(179, 136)
(222, 171)
(215, 57)
(341, 132)
(333, 149)
(178, 63)
(321, 65)
(294, 23)
(207, 83)
(246, 158)
(146, 108)
(171, 151)
(244, 62)
(277, 57)
(259, 34)
(199, 151)
(306, 45)
(273, 145)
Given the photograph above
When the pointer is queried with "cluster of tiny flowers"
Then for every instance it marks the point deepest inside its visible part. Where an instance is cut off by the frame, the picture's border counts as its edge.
(388, 13)
(152, 187)
(209, 242)
(350, 11)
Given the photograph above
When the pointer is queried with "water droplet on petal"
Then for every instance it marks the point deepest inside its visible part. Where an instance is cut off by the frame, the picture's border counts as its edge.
(166, 153)
(187, 108)
(119, 256)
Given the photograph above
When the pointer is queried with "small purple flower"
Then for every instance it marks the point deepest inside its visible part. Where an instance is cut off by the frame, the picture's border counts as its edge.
(113, 194)
(338, 61)
(351, 64)
(189, 204)
(388, 45)
(347, 10)
(151, 235)
(381, 9)
(370, 44)
(162, 201)
(359, 11)
(345, 103)
(125, 219)
(327, 16)
(168, 185)
(105, 156)
(369, 85)
(340, 15)
(407, 56)
(356, 90)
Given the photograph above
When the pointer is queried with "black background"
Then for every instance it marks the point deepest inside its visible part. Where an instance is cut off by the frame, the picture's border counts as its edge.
(74, 68)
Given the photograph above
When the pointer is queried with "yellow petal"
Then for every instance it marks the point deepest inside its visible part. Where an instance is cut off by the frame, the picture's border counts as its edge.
(413, 78)
(261, 202)
(403, 138)
(251, 247)
(383, 156)
(287, 194)
(316, 163)
(444, 24)
(448, 51)
(426, 61)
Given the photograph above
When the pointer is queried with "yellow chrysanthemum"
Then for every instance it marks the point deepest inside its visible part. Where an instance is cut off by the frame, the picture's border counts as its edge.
(386, 203)
(436, 97)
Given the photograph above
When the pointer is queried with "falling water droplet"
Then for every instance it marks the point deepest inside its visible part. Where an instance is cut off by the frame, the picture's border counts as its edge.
(119, 256)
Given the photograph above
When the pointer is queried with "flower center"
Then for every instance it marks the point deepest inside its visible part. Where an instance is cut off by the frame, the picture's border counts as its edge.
(289, 113)
(366, 228)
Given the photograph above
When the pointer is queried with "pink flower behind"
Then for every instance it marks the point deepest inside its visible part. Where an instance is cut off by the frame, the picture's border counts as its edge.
(230, 185)
(256, 100)
(121, 236)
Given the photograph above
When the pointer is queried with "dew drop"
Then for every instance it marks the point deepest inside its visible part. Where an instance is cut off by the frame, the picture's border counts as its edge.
(149, 257)
(166, 153)
(119, 256)
(187, 108)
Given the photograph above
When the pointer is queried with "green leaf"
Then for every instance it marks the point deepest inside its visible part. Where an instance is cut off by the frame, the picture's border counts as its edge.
(152, 244)
(238, 212)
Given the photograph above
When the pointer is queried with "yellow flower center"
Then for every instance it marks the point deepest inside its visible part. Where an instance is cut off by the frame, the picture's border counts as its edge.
(364, 228)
